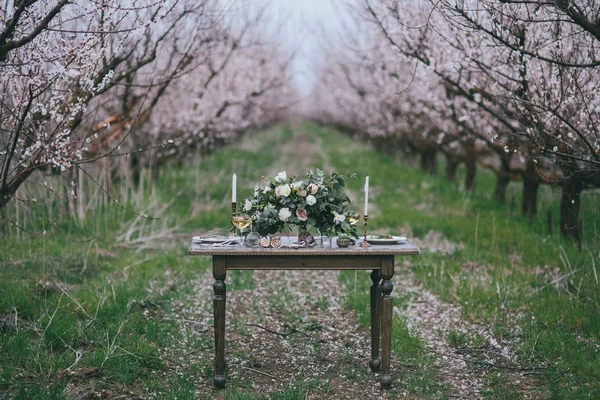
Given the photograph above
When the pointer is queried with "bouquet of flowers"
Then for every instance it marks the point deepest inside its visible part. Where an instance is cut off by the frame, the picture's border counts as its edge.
(317, 200)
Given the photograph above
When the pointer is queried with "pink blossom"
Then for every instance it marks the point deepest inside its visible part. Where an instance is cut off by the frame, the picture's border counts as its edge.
(301, 214)
(313, 188)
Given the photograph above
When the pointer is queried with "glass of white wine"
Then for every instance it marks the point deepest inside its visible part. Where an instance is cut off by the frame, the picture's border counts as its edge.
(241, 222)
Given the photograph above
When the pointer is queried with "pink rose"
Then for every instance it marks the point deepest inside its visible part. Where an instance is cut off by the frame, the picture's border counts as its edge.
(301, 214)
(313, 188)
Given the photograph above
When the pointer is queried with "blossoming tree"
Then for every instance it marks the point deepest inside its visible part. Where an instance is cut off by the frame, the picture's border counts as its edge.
(514, 83)
(56, 58)
(92, 80)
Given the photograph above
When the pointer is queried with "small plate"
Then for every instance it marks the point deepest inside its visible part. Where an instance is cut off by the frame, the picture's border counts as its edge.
(379, 240)
(216, 239)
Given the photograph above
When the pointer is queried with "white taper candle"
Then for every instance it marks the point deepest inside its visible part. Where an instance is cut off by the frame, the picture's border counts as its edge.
(366, 196)
(234, 188)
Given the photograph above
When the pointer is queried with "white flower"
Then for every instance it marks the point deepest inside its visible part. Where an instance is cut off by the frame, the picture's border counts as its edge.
(297, 185)
(266, 189)
(311, 200)
(284, 214)
(283, 190)
(281, 177)
(247, 205)
(338, 218)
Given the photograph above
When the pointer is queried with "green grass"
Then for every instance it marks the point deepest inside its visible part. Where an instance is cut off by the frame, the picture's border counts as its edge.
(81, 304)
(78, 298)
(496, 276)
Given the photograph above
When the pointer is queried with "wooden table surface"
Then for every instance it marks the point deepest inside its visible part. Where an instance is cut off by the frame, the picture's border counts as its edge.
(201, 249)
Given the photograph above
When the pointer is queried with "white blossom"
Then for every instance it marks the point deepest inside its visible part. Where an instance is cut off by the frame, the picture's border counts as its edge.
(283, 190)
(284, 214)
(281, 177)
(338, 218)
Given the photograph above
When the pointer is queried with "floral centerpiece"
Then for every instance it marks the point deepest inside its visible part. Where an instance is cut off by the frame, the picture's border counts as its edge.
(317, 200)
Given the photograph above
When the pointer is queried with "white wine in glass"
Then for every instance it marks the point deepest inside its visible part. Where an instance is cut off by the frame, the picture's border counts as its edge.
(241, 221)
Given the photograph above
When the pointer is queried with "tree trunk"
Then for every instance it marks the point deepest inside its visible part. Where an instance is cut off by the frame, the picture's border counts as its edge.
(503, 179)
(8, 189)
(409, 152)
(470, 165)
(4, 199)
(452, 164)
(135, 167)
(531, 184)
(569, 209)
(385, 145)
(80, 194)
(530, 192)
(428, 161)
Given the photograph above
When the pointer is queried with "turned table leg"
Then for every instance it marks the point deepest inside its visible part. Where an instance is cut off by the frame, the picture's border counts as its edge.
(375, 362)
(219, 273)
(387, 302)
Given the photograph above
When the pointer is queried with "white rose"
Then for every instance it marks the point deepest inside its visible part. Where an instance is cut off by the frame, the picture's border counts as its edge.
(247, 205)
(297, 185)
(338, 218)
(281, 177)
(283, 190)
(284, 214)
(311, 200)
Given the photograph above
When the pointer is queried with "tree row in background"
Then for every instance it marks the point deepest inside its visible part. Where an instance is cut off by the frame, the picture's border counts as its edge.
(128, 83)
(509, 85)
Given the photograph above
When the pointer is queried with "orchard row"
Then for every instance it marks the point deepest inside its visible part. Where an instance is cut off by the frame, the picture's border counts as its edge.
(510, 85)
(132, 83)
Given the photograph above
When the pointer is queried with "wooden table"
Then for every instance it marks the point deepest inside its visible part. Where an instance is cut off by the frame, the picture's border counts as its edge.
(378, 258)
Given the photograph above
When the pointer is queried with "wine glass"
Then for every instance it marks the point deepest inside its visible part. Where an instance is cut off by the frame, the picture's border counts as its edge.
(241, 222)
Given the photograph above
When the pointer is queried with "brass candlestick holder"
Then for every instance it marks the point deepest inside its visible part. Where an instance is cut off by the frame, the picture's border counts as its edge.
(233, 208)
(365, 243)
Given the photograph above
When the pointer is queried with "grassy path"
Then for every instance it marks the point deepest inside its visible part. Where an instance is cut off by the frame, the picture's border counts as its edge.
(493, 308)
(288, 336)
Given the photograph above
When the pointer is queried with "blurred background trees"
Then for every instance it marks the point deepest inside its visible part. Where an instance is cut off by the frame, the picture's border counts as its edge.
(108, 90)
(103, 90)
(511, 86)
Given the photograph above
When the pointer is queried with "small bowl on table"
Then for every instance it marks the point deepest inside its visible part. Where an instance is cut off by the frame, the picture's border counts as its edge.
(344, 242)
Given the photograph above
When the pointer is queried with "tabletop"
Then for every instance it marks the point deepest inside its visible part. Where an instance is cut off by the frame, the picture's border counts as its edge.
(202, 249)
